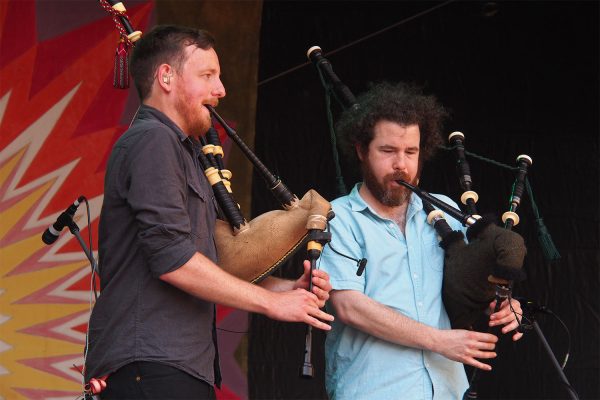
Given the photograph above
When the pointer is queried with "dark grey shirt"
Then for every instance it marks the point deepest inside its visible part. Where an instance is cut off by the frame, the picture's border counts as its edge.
(158, 210)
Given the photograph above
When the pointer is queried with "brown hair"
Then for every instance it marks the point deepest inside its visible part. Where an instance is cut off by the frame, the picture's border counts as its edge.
(165, 44)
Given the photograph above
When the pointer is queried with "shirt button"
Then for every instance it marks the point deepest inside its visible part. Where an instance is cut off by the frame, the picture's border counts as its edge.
(415, 276)
(420, 304)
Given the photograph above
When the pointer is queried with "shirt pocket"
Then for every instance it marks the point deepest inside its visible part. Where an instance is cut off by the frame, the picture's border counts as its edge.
(433, 255)
(197, 204)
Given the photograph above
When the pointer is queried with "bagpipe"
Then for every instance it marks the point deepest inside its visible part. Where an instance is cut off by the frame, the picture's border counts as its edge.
(253, 250)
(486, 267)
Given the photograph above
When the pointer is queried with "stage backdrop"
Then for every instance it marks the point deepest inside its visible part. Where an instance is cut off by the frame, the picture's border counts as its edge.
(59, 117)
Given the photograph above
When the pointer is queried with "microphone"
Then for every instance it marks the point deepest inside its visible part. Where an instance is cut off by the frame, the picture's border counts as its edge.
(51, 234)
(341, 91)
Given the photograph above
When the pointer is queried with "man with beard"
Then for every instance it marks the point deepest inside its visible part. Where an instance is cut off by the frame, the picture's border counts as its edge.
(152, 330)
(392, 337)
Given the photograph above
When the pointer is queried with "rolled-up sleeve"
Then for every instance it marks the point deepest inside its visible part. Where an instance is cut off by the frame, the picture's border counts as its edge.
(341, 270)
(156, 192)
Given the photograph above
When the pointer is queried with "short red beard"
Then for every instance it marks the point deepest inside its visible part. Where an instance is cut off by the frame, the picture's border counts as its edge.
(393, 197)
(196, 124)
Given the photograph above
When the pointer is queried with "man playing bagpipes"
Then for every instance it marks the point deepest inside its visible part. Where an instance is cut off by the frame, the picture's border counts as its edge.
(392, 337)
(152, 330)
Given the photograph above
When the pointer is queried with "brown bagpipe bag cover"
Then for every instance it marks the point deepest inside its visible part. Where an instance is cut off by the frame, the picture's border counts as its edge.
(256, 252)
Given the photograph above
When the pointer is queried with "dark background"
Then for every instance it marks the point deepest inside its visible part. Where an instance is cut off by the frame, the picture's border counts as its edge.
(519, 78)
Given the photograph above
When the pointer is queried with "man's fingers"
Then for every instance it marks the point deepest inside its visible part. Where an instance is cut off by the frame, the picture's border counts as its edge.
(478, 364)
(483, 354)
(318, 324)
(503, 321)
(322, 277)
(322, 315)
(510, 327)
(486, 345)
(322, 295)
(321, 283)
(484, 337)
(306, 266)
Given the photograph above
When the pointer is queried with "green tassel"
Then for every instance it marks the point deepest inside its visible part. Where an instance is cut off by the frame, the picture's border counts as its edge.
(339, 179)
(548, 248)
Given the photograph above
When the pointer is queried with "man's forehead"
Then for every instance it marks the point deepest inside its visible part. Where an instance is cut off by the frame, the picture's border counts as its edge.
(389, 129)
(194, 50)
(394, 124)
(199, 56)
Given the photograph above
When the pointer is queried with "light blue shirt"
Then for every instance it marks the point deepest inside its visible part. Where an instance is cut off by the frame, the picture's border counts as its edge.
(404, 272)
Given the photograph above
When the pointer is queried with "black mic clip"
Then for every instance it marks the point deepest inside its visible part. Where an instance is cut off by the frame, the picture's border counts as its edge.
(64, 219)
(362, 264)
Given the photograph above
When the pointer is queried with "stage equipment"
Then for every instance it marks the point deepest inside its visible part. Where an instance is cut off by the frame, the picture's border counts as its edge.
(64, 219)
(529, 311)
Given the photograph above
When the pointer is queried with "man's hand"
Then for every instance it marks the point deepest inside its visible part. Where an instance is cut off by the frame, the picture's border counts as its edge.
(466, 346)
(320, 279)
(507, 317)
(298, 305)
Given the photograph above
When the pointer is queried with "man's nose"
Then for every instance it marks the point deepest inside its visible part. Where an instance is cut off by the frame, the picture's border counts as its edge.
(399, 162)
(219, 90)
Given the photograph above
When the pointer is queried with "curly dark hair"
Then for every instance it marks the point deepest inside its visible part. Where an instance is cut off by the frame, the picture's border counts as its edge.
(164, 44)
(402, 103)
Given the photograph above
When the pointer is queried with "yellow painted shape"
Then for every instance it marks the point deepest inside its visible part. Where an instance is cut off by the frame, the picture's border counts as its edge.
(14, 254)
(12, 215)
(9, 166)
(26, 346)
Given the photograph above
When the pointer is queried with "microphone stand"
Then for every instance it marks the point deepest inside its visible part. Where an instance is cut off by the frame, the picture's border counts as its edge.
(562, 377)
(75, 231)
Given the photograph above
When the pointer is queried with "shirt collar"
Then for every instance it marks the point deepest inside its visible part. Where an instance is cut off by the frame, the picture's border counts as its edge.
(148, 112)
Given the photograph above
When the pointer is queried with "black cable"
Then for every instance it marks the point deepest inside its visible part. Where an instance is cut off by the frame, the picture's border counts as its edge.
(91, 246)
(533, 308)
(230, 331)
(359, 40)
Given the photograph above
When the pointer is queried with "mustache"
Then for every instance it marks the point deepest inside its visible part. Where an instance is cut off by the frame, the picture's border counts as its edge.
(397, 176)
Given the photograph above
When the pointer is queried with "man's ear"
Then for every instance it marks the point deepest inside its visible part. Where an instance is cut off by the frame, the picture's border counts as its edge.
(359, 152)
(164, 77)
